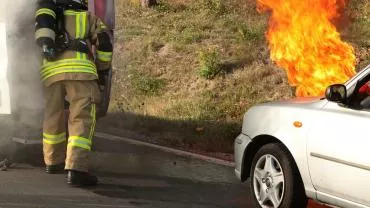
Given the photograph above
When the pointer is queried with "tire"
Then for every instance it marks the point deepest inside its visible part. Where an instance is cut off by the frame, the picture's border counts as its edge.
(278, 185)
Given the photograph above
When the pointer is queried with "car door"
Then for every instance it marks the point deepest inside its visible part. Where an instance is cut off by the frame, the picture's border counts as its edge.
(339, 153)
(5, 107)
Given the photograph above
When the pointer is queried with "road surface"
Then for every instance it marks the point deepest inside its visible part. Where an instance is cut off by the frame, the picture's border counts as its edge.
(130, 176)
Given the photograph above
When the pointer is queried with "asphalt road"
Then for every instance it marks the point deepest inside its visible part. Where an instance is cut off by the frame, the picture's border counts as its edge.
(129, 176)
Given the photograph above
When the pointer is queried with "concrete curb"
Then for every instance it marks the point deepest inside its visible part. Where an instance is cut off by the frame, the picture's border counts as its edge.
(166, 149)
(141, 143)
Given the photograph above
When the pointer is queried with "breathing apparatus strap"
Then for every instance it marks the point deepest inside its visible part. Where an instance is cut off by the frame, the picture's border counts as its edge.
(79, 46)
(64, 41)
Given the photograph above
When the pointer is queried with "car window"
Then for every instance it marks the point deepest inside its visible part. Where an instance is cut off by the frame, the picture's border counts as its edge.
(360, 97)
(351, 83)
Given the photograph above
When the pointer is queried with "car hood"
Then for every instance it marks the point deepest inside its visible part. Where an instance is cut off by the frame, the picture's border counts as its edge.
(271, 117)
(313, 102)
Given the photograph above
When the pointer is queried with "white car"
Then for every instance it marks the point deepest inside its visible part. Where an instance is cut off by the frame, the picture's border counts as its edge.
(316, 148)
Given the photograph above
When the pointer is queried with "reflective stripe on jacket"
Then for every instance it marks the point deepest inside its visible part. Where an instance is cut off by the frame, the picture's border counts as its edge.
(74, 65)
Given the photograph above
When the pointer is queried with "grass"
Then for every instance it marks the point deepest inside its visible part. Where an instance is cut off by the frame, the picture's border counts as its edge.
(148, 85)
(214, 7)
(187, 70)
(359, 30)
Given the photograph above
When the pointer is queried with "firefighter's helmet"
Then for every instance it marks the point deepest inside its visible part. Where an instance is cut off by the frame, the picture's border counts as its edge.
(74, 4)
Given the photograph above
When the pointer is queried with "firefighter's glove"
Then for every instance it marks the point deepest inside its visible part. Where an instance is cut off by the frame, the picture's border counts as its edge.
(48, 52)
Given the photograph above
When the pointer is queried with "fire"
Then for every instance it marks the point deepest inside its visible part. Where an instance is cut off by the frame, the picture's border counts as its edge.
(304, 41)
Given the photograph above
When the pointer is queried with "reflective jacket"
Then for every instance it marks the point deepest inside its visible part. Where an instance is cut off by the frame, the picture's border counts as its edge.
(71, 64)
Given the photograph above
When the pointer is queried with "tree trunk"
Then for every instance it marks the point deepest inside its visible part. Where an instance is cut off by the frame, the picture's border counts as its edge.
(148, 3)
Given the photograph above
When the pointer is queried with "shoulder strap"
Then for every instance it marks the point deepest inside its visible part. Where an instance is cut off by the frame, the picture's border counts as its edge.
(64, 41)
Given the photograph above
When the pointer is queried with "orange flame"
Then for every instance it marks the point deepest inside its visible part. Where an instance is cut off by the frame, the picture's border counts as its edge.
(305, 42)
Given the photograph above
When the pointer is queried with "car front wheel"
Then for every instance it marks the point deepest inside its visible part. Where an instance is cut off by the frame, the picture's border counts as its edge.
(275, 180)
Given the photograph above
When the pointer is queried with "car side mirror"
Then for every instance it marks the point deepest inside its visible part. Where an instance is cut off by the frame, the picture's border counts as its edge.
(336, 93)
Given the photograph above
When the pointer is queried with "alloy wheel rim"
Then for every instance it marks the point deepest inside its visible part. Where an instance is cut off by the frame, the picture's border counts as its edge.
(268, 182)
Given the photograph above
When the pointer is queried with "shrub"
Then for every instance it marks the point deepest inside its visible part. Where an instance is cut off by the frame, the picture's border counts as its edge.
(210, 65)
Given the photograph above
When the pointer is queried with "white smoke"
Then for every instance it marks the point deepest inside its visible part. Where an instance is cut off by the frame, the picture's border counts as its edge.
(24, 59)
(23, 67)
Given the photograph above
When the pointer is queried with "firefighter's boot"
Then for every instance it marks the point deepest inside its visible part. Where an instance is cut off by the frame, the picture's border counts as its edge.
(54, 169)
(77, 178)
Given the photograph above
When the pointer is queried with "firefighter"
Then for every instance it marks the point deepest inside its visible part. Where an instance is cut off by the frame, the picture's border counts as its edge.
(66, 33)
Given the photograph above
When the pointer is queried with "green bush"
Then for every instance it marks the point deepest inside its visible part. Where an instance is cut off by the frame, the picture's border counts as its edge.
(210, 64)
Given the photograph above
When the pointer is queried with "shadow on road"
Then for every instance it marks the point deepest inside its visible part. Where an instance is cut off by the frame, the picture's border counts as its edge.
(186, 193)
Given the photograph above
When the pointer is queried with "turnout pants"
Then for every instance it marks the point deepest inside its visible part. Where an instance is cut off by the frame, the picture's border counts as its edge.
(74, 150)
